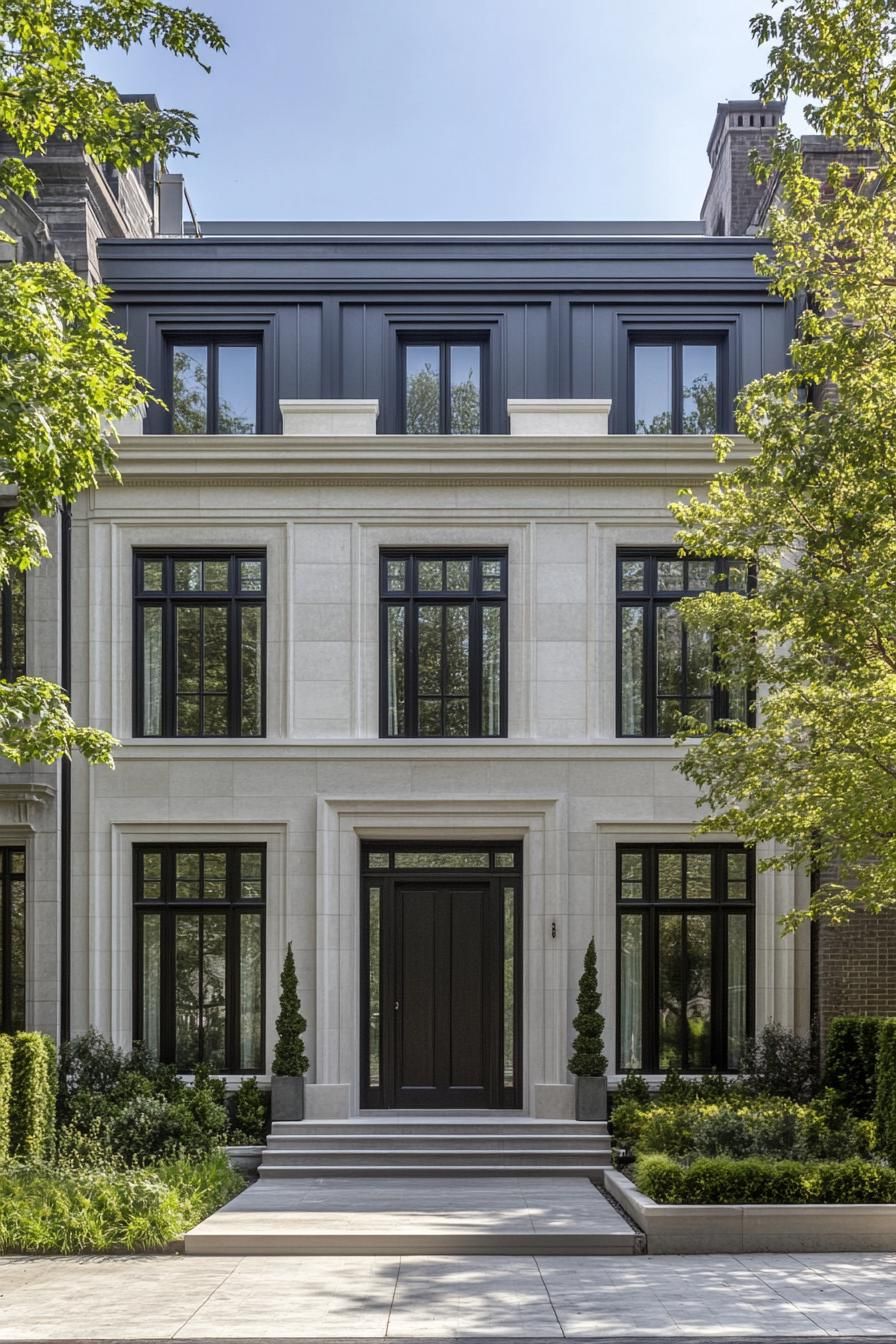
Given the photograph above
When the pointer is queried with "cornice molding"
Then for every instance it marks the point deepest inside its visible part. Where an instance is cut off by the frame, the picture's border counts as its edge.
(499, 459)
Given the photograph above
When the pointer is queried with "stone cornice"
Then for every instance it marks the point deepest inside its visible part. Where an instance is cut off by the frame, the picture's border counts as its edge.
(499, 459)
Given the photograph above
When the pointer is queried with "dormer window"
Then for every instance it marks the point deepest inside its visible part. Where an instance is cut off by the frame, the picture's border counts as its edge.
(676, 385)
(213, 386)
(442, 386)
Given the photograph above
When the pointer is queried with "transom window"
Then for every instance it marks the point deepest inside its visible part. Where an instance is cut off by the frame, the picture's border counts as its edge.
(676, 386)
(199, 955)
(12, 939)
(663, 669)
(214, 386)
(12, 626)
(685, 956)
(443, 644)
(442, 386)
(200, 644)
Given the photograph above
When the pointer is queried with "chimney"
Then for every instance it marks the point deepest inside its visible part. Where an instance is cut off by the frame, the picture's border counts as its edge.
(733, 195)
(171, 205)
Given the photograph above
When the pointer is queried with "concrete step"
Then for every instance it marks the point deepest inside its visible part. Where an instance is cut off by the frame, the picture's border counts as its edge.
(431, 1155)
(503, 1143)
(388, 1170)
(555, 1129)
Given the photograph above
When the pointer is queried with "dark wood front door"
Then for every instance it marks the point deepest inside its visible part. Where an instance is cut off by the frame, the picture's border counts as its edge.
(447, 986)
(440, 976)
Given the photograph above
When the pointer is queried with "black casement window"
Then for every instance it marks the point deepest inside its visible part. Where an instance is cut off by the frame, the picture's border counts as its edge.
(685, 956)
(12, 626)
(662, 669)
(443, 644)
(213, 386)
(199, 955)
(442, 386)
(200, 644)
(676, 385)
(12, 939)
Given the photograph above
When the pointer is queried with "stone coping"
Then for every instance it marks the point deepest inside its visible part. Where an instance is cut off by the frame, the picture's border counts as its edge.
(700, 1229)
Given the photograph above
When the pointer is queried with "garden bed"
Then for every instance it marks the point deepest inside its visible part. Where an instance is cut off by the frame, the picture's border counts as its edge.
(700, 1229)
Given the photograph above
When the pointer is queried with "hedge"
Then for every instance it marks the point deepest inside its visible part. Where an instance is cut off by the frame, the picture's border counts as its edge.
(5, 1093)
(885, 1101)
(850, 1065)
(725, 1180)
(32, 1111)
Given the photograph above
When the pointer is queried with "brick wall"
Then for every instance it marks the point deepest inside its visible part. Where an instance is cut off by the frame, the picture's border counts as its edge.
(855, 967)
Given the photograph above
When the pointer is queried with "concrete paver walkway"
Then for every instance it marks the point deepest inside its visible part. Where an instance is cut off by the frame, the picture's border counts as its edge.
(429, 1297)
(504, 1215)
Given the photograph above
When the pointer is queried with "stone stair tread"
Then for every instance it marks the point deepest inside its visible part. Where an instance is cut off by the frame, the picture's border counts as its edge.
(448, 1171)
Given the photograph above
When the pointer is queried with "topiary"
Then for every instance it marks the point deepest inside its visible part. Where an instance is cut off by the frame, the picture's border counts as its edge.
(250, 1113)
(290, 1060)
(850, 1062)
(588, 1059)
(885, 1096)
(5, 1094)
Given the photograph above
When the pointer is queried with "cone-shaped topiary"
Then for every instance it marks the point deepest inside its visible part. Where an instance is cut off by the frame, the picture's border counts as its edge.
(290, 1060)
(588, 1058)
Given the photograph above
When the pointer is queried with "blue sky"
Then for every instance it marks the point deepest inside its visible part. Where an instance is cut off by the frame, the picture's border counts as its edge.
(475, 109)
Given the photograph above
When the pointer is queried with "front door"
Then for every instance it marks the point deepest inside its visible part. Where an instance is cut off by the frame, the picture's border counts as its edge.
(440, 979)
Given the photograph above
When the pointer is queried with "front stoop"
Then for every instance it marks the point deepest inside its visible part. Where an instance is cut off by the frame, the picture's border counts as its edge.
(369, 1216)
(436, 1146)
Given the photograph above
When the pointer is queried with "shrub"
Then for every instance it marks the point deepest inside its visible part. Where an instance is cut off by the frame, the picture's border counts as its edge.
(779, 1063)
(885, 1095)
(250, 1113)
(725, 1180)
(588, 1059)
(33, 1106)
(713, 1087)
(850, 1066)
(674, 1088)
(44, 1209)
(627, 1118)
(5, 1093)
(290, 1060)
(632, 1088)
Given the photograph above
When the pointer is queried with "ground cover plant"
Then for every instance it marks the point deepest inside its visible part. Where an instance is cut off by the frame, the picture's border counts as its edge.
(110, 1151)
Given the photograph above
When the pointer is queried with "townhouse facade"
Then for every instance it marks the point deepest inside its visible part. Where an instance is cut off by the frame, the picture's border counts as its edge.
(383, 616)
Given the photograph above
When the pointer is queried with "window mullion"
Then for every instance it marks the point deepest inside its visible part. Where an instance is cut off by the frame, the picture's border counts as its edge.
(212, 390)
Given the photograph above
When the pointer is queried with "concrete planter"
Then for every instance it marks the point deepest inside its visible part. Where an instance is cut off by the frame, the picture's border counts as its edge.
(245, 1158)
(591, 1098)
(701, 1229)
(287, 1098)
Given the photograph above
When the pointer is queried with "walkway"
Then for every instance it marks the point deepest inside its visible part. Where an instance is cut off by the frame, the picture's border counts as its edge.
(350, 1215)
(520, 1297)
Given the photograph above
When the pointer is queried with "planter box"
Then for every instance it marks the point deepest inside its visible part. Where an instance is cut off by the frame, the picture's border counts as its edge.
(245, 1158)
(700, 1229)
(591, 1098)
(287, 1098)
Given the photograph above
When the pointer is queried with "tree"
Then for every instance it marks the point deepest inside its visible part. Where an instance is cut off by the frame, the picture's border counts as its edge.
(815, 509)
(290, 1060)
(588, 1059)
(64, 368)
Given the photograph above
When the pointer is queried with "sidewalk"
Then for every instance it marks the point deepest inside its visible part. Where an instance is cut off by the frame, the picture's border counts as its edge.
(421, 1297)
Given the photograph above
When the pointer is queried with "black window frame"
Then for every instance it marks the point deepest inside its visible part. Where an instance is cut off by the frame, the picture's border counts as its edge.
(444, 343)
(166, 906)
(677, 340)
(11, 666)
(650, 598)
(719, 906)
(212, 344)
(410, 598)
(12, 1019)
(168, 599)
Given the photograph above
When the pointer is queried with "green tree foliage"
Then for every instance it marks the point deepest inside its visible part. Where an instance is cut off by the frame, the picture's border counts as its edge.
(815, 509)
(64, 368)
(850, 1062)
(290, 1060)
(588, 1059)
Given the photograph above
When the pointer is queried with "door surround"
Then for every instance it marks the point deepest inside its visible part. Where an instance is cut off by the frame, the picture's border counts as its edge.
(541, 824)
